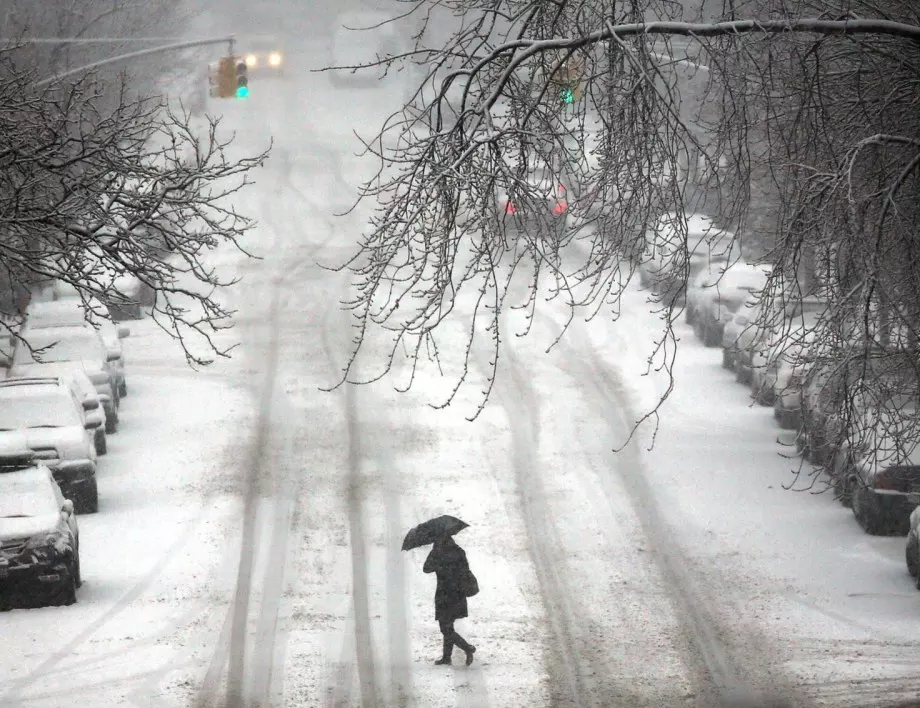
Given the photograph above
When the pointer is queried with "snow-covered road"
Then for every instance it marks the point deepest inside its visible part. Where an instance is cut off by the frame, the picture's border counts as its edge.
(250, 522)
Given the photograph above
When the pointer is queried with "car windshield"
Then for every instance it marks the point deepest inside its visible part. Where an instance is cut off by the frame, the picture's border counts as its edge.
(25, 495)
(51, 410)
(59, 346)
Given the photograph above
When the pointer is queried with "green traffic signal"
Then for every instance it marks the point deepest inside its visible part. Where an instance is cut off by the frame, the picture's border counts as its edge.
(568, 95)
(242, 92)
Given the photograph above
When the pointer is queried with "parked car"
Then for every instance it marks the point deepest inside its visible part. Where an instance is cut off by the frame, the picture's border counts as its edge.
(822, 398)
(912, 549)
(48, 419)
(669, 261)
(790, 387)
(885, 492)
(39, 540)
(787, 345)
(78, 382)
(766, 325)
(717, 304)
(71, 312)
(59, 350)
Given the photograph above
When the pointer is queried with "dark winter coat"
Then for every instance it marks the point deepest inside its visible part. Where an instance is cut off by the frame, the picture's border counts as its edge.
(448, 560)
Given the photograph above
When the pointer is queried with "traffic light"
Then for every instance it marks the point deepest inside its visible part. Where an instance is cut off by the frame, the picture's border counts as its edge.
(568, 95)
(225, 77)
(242, 80)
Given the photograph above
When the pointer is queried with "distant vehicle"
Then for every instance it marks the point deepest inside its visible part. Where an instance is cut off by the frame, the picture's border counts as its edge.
(912, 549)
(540, 202)
(666, 267)
(71, 312)
(126, 300)
(264, 56)
(363, 38)
(39, 541)
(48, 420)
(885, 494)
(59, 349)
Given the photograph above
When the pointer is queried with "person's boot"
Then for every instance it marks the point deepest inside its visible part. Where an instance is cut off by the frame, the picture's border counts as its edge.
(466, 647)
(445, 656)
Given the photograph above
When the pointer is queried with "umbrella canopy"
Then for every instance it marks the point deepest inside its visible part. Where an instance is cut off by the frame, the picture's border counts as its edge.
(428, 532)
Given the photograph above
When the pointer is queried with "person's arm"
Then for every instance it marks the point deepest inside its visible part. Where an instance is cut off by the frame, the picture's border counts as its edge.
(432, 562)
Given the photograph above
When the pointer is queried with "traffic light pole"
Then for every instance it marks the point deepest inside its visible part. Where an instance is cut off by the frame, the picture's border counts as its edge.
(124, 57)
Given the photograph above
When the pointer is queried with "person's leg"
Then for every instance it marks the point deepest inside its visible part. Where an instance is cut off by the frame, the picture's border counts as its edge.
(447, 629)
(464, 645)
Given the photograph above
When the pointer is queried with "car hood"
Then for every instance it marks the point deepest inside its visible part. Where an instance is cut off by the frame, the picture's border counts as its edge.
(43, 437)
(25, 527)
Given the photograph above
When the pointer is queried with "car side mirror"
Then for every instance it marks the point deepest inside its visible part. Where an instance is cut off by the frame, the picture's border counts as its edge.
(92, 424)
(67, 507)
(91, 404)
(123, 332)
(113, 356)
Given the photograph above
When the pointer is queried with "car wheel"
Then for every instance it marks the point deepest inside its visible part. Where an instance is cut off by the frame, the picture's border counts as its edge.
(867, 512)
(87, 501)
(912, 556)
(122, 389)
(64, 594)
(78, 576)
(111, 423)
(743, 375)
(101, 442)
(727, 360)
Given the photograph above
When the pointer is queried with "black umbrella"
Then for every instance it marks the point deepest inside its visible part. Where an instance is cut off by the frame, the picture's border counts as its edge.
(428, 532)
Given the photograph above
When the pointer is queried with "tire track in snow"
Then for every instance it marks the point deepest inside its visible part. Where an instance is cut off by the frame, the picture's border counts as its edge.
(569, 685)
(720, 681)
(256, 660)
(363, 640)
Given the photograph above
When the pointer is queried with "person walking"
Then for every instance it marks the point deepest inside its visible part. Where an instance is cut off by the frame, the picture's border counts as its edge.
(448, 561)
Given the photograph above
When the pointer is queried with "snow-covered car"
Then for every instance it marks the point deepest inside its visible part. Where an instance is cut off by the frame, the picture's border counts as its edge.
(716, 303)
(93, 410)
(790, 385)
(823, 394)
(72, 312)
(48, 419)
(264, 55)
(39, 541)
(885, 492)
(785, 346)
(126, 298)
(55, 351)
(364, 38)
(770, 318)
(912, 548)
(665, 267)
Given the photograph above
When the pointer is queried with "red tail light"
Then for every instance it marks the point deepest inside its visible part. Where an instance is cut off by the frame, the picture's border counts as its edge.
(560, 207)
